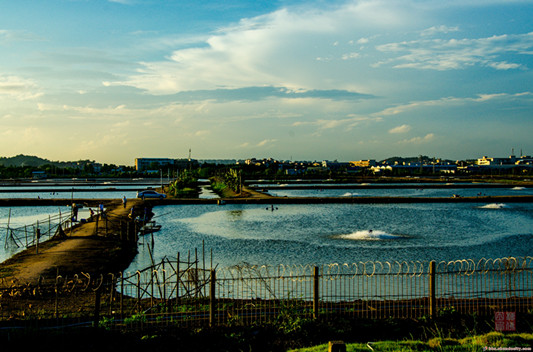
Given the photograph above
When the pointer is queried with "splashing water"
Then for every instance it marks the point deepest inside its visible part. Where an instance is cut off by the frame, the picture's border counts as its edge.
(349, 194)
(370, 235)
(494, 206)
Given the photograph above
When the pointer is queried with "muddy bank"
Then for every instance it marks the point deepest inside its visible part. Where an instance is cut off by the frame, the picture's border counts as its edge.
(97, 246)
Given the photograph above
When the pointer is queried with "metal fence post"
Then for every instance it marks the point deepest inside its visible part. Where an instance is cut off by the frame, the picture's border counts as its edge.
(212, 298)
(315, 292)
(432, 290)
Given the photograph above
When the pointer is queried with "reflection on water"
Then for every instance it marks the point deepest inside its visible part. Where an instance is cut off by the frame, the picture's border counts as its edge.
(401, 192)
(342, 233)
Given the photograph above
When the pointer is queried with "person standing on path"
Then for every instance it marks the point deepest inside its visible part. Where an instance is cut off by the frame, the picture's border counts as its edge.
(124, 201)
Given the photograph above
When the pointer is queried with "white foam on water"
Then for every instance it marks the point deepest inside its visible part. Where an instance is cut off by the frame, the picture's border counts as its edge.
(370, 235)
(494, 206)
(518, 188)
(349, 194)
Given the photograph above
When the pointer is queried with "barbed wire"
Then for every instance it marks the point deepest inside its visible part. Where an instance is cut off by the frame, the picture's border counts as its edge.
(199, 277)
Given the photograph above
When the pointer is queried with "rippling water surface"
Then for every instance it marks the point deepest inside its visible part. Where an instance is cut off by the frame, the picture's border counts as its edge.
(340, 233)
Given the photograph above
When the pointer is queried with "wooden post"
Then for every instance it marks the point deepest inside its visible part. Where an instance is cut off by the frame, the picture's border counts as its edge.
(121, 295)
(432, 290)
(111, 292)
(336, 346)
(56, 305)
(7, 231)
(139, 292)
(178, 279)
(97, 296)
(212, 298)
(315, 292)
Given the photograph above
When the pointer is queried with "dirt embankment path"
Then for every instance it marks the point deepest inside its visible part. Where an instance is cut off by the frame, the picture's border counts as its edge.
(84, 249)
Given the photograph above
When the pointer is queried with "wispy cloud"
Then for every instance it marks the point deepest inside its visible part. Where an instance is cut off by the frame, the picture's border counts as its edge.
(17, 35)
(262, 144)
(266, 142)
(440, 54)
(453, 101)
(18, 88)
(439, 29)
(419, 140)
(400, 129)
(345, 124)
(261, 93)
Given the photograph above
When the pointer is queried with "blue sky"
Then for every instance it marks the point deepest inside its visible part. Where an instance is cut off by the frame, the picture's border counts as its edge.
(302, 80)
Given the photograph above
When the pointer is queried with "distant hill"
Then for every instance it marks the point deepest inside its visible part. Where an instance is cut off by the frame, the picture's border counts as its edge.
(29, 160)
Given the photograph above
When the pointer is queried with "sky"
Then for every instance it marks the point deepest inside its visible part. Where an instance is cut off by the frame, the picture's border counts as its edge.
(115, 80)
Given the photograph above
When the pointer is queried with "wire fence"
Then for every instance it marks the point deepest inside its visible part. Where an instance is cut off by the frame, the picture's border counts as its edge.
(63, 224)
(42, 230)
(183, 292)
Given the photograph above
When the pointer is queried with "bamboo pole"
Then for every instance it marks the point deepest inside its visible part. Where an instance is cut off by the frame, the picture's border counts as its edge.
(7, 231)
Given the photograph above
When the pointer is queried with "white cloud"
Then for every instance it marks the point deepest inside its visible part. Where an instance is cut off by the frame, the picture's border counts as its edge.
(281, 49)
(400, 129)
(504, 65)
(418, 140)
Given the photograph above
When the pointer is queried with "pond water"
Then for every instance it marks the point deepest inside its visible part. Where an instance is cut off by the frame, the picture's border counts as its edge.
(84, 192)
(318, 233)
(23, 221)
(400, 192)
(339, 233)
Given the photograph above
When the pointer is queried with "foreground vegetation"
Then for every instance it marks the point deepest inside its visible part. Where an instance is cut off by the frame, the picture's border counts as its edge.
(448, 332)
(471, 343)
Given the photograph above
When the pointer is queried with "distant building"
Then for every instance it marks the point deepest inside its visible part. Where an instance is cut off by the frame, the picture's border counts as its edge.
(145, 164)
(38, 175)
(334, 165)
(485, 161)
(363, 163)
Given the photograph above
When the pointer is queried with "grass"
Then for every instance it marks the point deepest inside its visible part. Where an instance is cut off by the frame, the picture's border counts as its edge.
(473, 343)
